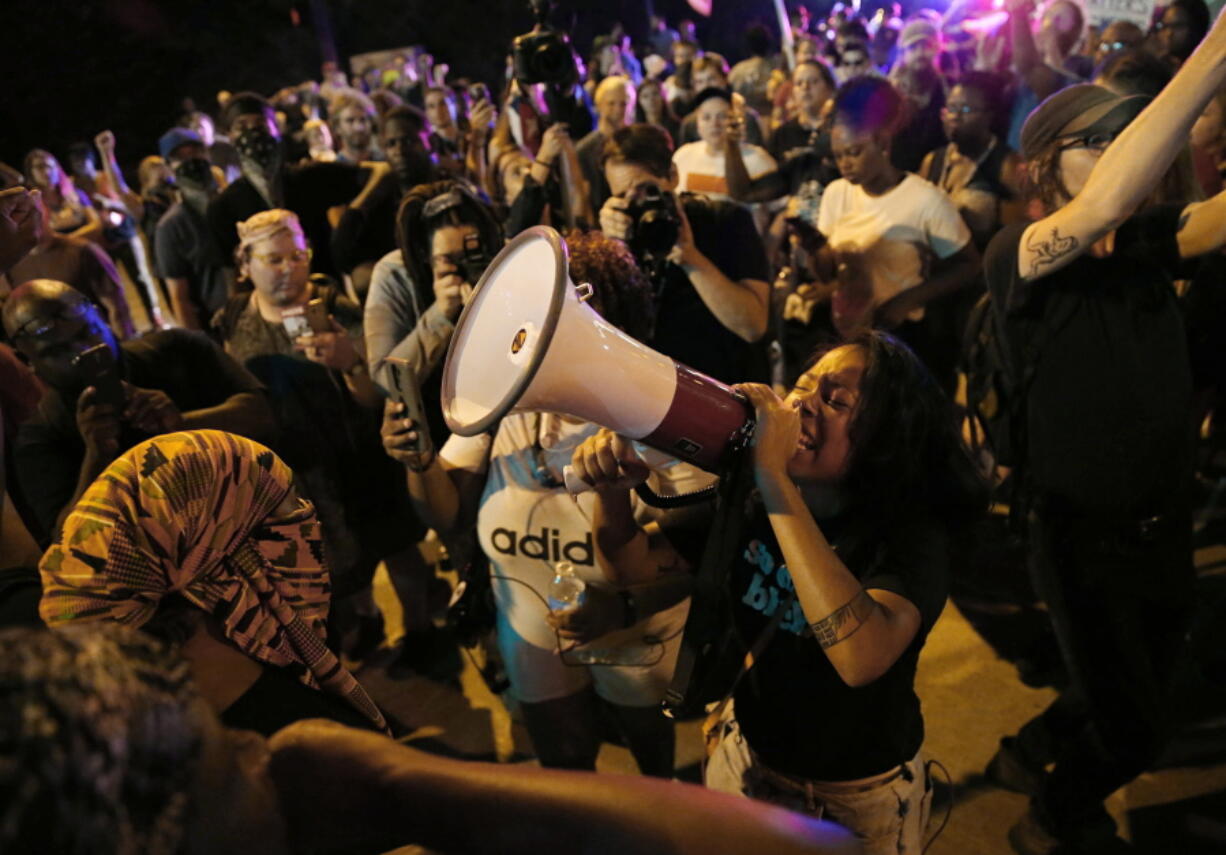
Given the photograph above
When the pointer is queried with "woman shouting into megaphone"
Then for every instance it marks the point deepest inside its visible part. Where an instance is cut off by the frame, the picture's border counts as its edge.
(861, 476)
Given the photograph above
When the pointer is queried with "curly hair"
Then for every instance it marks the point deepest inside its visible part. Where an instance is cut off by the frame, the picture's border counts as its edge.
(100, 742)
(415, 231)
(906, 448)
(621, 292)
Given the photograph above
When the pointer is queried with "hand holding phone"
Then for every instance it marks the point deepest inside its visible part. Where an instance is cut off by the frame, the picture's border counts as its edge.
(98, 367)
(410, 444)
(306, 320)
(98, 424)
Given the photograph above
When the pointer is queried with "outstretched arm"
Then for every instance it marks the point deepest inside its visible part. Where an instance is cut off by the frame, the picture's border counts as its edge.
(358, 790)
(1131, 166)
(114, 176)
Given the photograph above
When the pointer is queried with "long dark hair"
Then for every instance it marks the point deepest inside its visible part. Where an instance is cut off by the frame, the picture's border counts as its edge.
(414, 230)
(906, 448)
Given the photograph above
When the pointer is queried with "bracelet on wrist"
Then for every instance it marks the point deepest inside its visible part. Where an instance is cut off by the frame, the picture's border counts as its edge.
(548, 164)
(357, 369)
(425, 462)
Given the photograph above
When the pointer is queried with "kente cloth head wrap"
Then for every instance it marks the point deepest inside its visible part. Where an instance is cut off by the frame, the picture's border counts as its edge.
(266, 224)
(187, 514)
(99, 741)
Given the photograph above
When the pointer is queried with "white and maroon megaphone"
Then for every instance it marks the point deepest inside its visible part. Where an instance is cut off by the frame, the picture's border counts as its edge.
(526, 341)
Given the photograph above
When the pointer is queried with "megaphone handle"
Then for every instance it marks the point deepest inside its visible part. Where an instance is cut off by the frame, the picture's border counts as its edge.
(576, 485)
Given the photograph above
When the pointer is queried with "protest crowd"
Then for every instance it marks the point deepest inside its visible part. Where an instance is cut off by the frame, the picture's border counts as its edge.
(960, 268)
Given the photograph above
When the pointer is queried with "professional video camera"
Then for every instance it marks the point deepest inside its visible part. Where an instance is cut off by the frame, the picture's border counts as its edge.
(543, 55)
(656, 224)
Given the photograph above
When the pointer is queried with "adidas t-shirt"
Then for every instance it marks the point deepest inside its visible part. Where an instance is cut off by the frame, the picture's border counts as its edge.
(526, 527)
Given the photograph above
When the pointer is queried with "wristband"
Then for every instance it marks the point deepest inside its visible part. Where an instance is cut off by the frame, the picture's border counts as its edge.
(426, 461)
(630, 614)
(358, 368)
(548, 164)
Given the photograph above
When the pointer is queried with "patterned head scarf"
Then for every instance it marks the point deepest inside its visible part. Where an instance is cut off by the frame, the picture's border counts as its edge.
(98, 743)
(188, 514)
(268, 224)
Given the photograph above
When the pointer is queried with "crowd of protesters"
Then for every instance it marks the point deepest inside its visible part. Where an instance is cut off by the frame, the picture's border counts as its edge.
(201, 385)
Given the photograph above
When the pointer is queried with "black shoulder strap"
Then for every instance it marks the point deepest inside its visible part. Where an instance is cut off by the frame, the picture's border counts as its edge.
(709, 623)
(231, 312)
(937, 166)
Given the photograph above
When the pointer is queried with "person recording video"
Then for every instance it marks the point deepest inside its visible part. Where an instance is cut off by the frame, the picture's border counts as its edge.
(105, 397)
(707, 264)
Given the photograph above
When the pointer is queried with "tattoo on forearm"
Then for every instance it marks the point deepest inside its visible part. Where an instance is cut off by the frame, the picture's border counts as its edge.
(1049, 251)
(843, 622)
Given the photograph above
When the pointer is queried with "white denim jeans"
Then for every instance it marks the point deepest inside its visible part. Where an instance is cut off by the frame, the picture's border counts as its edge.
(888, 812)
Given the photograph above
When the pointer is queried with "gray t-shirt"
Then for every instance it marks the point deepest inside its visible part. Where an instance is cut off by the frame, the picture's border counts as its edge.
(403, 320)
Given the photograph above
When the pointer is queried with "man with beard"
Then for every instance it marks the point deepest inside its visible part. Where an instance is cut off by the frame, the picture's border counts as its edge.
(188, 259)
(352, 120)
(366, 231)
(309, 190)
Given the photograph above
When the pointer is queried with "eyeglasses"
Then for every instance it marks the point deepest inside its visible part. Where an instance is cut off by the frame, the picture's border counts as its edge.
(1111, 47)
(275, 259)
(1093, 142)
(44, 322)
(960, 109)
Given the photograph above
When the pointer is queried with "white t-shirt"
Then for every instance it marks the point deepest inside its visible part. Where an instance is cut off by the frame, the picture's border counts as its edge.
(888, 241)
(699, 172)
(525, 528)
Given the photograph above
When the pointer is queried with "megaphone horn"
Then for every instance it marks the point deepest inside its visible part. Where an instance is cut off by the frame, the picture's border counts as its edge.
(527, 341)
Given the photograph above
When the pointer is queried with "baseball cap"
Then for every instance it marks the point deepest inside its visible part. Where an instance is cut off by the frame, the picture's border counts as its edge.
(1080, 110)
(176, 137)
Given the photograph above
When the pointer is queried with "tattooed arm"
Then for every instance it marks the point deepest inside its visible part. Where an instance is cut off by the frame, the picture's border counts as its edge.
(863, 632)
(1130, 168)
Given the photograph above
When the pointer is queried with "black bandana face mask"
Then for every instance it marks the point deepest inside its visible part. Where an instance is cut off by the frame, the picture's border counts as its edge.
(196, 174)
(258, 145)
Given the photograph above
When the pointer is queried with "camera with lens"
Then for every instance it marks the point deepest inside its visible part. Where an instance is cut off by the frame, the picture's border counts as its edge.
(471, 263)
(655, 224)
(543, 55)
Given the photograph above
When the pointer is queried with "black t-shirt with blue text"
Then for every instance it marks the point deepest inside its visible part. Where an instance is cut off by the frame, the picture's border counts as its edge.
(795, 711)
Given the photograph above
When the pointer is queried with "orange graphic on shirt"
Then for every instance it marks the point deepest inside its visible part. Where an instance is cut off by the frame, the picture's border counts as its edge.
(696, 182)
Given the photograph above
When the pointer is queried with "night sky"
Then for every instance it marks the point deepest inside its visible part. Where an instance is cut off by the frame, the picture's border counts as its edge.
(73, 69)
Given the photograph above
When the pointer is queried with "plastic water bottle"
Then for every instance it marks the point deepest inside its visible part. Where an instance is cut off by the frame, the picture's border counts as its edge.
(566, 589)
